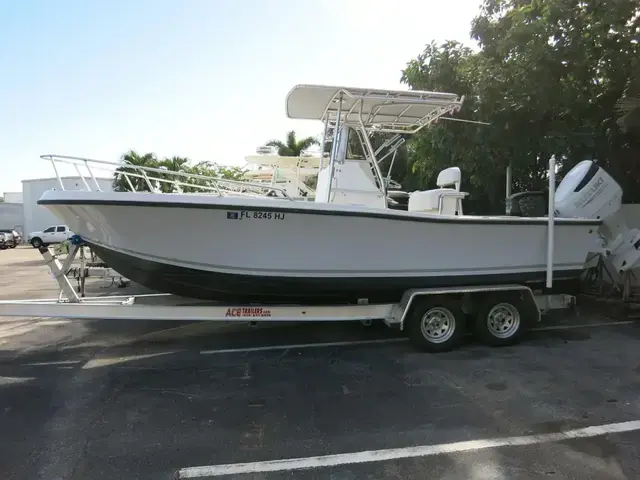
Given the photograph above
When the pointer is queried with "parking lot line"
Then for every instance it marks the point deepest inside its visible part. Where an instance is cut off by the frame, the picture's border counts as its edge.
(395, 340)
(52, 363)
(370, 456)
(304, 345)
(583, 325)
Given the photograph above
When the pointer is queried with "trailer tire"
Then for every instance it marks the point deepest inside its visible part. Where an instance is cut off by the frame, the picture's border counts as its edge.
(501, 319)
(436, 324)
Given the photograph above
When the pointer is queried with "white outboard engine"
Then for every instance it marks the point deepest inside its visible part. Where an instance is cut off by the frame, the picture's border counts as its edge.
(587, 191)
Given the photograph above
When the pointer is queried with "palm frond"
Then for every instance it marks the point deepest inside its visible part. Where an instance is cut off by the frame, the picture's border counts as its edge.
(275, 143)
(305, 143)
(291, 140)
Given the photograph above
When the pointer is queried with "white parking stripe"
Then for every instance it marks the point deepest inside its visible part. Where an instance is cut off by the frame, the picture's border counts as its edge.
(583, 325)
(59, 362)
(304, 345)
(394, 340)
(399, 453)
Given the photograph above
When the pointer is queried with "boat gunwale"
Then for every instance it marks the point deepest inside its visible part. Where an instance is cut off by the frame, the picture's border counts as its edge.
(289, 207)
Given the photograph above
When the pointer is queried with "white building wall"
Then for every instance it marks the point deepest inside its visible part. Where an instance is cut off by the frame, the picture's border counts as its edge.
(36, 217)
(12, 216)
(12, 197)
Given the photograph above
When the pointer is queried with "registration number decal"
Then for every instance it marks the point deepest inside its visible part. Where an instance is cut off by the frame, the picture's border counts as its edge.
(255, 214)
(251, 312)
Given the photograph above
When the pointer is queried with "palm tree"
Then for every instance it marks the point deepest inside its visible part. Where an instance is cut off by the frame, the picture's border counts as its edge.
(293, 147)
(120, 183)
(173, 164)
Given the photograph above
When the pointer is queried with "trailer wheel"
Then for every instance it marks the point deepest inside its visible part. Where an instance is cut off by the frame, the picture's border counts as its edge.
(436, 324)
(501, 319)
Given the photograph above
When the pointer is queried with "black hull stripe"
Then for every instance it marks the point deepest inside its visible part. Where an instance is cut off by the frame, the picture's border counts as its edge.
(389, 214)
(216, 286)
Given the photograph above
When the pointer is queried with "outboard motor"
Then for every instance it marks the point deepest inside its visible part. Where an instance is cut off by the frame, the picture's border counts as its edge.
(587, 191)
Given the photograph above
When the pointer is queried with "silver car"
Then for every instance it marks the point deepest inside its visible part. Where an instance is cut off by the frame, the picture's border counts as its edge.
(7, 241)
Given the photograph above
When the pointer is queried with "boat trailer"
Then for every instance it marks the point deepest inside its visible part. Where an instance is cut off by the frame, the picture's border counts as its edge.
(435, 319)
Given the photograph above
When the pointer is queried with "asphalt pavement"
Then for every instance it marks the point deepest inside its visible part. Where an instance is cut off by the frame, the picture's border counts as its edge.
(104, 400)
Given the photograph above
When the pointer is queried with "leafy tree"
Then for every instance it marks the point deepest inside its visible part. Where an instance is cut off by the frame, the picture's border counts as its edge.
(453, 67)
(565, 64)
(212, 170)
(293, 147)
(230, 173)
(548, 78)
(120, 183)
(629, 105)
(171, 164)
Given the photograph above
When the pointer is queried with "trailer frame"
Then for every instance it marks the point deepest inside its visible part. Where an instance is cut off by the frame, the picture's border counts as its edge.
(451, 308)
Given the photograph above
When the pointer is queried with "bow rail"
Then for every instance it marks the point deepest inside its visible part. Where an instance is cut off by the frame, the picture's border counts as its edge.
(164, 180)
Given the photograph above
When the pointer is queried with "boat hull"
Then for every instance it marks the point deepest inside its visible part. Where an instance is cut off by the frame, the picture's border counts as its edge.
(211, 285)
(239, 249)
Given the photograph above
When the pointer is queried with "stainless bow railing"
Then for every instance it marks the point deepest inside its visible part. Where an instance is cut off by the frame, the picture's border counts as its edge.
(158, 180)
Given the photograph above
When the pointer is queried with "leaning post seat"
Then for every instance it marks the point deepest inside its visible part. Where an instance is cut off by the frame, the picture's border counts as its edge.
(443, 200)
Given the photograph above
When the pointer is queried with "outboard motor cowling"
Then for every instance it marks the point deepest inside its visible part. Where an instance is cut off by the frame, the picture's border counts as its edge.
(587, 191)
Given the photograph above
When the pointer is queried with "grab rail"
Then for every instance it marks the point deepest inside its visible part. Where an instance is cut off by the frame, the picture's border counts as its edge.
(221, 186)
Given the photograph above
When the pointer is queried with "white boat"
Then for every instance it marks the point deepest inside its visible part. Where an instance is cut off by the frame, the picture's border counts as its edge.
(346, 245)
(291, 174)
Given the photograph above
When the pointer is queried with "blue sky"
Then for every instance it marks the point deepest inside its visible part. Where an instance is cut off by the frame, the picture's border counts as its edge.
(205, 79)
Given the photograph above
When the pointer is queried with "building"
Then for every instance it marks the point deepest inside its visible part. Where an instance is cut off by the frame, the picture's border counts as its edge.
(12, 216)
(12, 197)
(36, 217)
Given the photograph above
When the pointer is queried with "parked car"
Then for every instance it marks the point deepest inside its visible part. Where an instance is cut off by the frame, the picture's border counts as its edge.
(50, 236)
(6, 241)
(17, 238)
